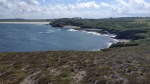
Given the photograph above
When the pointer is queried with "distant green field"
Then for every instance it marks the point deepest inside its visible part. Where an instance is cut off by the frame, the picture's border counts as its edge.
(142, 21)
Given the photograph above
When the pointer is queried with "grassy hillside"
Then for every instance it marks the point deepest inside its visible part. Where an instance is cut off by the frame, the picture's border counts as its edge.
(125, 63)
(114, 65)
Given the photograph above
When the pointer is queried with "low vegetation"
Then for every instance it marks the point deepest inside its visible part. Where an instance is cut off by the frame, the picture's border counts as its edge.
(129, 65)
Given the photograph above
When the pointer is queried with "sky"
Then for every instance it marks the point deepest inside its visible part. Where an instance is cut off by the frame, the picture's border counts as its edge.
(49, 9)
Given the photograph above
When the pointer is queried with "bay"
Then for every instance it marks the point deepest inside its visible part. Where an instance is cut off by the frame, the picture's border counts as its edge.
(33, 37)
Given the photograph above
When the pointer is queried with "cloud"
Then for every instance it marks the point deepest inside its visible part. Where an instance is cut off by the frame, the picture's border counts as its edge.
(123, 3)
(133, 6)
(33, 2)
(104, 4)
(91, 4)
(92, 9)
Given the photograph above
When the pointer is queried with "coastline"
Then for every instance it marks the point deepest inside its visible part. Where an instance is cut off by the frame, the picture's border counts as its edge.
(40, 23)
(96, 32)
(75, 28)
(125, 61)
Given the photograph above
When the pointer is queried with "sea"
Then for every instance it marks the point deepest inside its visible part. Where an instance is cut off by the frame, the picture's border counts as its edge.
(33, 37)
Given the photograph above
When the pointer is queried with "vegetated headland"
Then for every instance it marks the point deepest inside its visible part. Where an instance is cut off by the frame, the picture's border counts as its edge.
(122, 63)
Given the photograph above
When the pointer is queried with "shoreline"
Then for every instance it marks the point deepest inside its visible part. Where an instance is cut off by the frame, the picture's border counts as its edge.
(97, 31)
(94, 31)
(40, 23)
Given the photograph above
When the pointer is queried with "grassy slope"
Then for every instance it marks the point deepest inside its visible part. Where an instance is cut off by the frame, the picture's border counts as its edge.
(118, 65)
(125, 64)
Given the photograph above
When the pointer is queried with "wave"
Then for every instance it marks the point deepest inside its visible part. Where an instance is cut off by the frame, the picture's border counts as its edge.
(94, 33)
(113, 36)
(96, 49)
(73, 30)
(47, 31)
(115, 40)
(109, 44)
(84, 31)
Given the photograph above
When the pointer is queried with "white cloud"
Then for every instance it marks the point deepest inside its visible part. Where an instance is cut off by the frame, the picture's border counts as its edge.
(135, 6)
(104, 4)
(137, 1)
(92, 9)
(123, 3)
(91, 4)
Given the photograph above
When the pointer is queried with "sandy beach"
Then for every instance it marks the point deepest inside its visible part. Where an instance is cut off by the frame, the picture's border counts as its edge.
(25, 23)
(72, 27)
(123, 40)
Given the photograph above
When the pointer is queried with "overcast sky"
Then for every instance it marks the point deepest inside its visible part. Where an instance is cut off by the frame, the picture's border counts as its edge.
(47, 9)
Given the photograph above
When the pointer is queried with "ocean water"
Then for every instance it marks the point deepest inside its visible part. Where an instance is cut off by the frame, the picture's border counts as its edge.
(30, 37)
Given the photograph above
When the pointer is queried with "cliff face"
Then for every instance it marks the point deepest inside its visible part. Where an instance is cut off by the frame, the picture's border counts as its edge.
(58, 24)
(130, 34)
(63, 22)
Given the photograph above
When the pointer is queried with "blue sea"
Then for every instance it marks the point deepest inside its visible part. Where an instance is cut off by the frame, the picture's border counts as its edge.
(32, 37)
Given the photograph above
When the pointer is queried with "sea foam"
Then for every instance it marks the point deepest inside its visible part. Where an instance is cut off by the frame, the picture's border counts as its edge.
(109, 44)
(49, 31)
(73, 30)
(94, 33)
